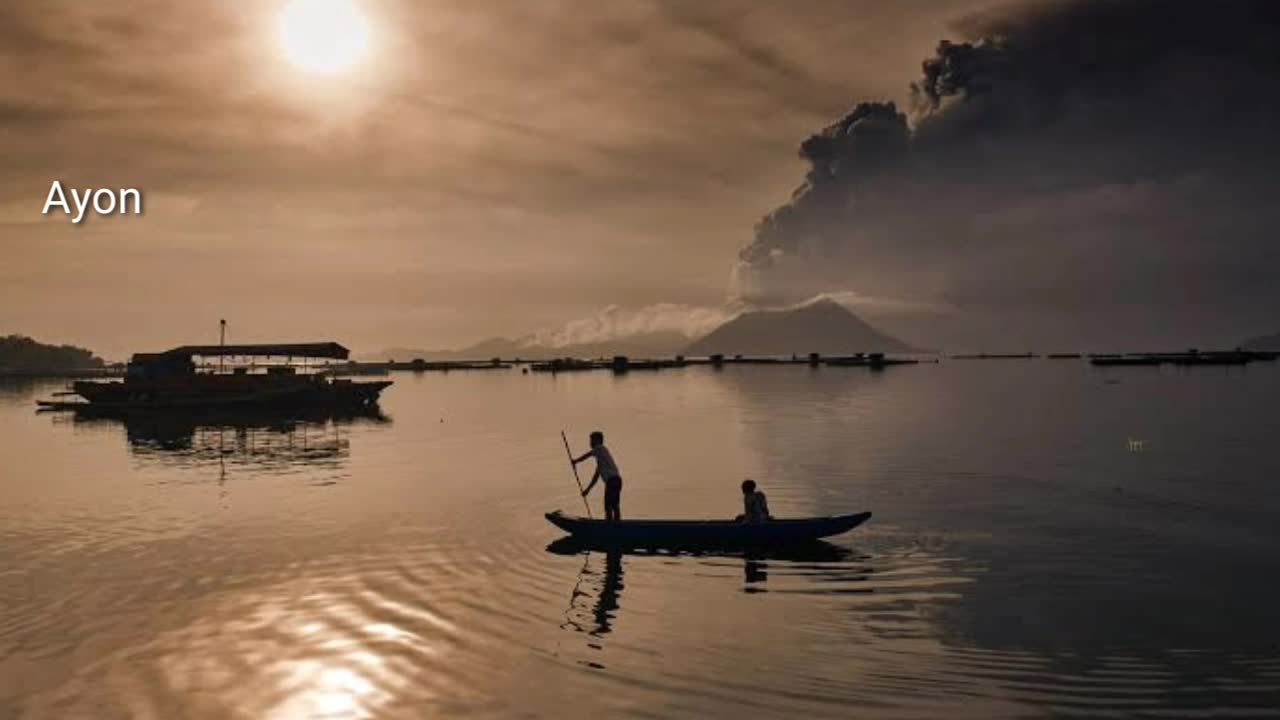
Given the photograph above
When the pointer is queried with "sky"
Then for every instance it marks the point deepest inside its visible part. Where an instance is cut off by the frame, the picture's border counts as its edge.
(1084, 175)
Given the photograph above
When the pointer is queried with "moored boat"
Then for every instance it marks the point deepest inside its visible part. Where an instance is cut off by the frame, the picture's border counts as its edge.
(172, 380)
(649, 533)
(875, 361)
(1231, 358)
(1125, 361)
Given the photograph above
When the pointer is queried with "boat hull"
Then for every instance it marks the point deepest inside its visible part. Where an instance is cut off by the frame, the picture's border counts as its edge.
(225, 391)
(651, 533)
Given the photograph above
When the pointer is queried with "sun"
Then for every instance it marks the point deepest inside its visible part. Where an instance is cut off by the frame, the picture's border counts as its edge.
(324, 37)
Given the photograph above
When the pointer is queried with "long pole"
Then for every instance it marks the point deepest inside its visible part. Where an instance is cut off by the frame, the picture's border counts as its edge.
(569, 452)
(222, 342)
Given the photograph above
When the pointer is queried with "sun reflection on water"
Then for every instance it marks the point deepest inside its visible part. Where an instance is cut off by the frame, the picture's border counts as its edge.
(317, 688)
(316, 654)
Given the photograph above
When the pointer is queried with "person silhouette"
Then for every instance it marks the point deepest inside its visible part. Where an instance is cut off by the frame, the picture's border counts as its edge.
(755, 506)
(607, 470)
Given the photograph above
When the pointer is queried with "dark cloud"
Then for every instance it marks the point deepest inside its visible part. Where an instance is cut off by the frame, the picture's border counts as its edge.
(1097, 166)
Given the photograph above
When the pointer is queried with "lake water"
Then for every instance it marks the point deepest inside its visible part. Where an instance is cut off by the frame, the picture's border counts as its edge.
(1025, 558)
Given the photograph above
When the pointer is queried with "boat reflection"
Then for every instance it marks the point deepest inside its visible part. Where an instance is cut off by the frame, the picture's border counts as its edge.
(607, 594)
(596, 597)
(816, 551)
(263, 439)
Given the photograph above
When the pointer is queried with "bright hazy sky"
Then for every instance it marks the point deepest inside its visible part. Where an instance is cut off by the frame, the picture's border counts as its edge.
(488, 168)
(1067, 174)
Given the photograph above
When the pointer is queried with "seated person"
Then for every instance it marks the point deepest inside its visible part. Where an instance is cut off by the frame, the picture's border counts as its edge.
(755, 506)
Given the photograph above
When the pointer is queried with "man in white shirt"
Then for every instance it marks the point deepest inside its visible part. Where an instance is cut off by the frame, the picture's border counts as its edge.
(607, 469)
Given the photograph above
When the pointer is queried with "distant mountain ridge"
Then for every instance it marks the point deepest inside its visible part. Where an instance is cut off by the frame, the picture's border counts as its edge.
(1262, 342)
(660, 343)
(824, 326)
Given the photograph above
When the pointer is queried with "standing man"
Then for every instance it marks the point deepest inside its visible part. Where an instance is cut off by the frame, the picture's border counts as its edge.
(607, 469)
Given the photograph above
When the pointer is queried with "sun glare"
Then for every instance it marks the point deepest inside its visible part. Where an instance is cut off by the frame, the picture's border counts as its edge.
(324, 37)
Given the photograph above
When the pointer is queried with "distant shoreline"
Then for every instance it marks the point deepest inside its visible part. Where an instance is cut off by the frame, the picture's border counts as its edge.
(77, 373)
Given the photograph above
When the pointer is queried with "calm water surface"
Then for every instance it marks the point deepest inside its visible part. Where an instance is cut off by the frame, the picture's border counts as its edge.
(1023, 560)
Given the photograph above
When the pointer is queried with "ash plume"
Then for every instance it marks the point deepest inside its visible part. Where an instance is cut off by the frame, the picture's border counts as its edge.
(1069, 167)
